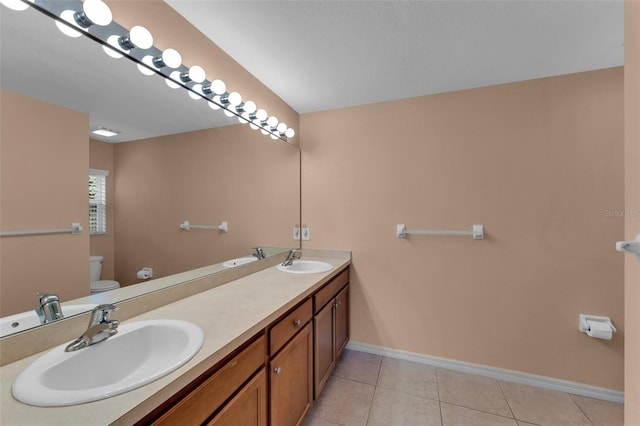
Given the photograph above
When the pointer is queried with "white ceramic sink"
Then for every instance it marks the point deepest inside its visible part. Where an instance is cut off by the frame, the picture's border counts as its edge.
(306, 267)
(26, 320)
(140, 353)
(239, 261)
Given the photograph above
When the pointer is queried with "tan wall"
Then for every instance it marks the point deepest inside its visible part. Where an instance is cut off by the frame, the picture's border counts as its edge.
(537, 163)
(632, 203)
(170, 29)
(43, 182)
(231, 174)
(101, 157)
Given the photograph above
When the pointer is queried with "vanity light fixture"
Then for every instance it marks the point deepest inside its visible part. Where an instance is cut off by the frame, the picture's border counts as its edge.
(93, 18)
(107, 133)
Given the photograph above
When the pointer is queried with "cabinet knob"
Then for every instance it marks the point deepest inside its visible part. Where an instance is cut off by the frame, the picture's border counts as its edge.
(297, 323)
(277, 370)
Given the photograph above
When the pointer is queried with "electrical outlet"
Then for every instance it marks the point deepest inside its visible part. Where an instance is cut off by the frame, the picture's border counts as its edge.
(296, 233)
(306, 233)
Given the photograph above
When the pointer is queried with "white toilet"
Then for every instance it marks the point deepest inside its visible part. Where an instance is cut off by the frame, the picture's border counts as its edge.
(98, 285)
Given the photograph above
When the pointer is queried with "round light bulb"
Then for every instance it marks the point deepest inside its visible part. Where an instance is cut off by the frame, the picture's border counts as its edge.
(112, 41)
(197, 74)
(290, 133)
(228, 113)
(261, 115)
(213, 105)
(218, 87)
(94, 12)
(170, 58)
(281, 128)
(175, 75)
(67, 15)
(139, 37)
(196, 88)
(148, 60)
(272, 121)
(16, 5)
(264, 132)
(249, 107)
(235, 99)
(253, 126)
(274, 137)
(244, 118)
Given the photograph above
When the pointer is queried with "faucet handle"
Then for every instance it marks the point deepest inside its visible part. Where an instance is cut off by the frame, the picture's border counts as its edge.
(102, 313)
(44, 298)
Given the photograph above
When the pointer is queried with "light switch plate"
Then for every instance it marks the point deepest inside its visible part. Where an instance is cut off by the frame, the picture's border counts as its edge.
(306, 233)
(296, 233)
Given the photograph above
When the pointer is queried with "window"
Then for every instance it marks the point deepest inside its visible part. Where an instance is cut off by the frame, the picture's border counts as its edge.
(98, 201)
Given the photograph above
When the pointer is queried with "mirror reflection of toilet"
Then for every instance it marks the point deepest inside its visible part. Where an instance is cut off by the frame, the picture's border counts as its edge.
(98, 285)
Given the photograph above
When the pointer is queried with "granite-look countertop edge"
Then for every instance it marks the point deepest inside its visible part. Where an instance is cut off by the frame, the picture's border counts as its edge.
(229, 315)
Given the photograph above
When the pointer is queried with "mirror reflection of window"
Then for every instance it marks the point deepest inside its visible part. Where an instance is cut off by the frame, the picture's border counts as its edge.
(98, 201)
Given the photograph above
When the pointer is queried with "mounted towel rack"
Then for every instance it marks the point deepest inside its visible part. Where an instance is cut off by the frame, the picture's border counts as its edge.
(630, 246)
(187, 226)
(74, 230)
(477, 232)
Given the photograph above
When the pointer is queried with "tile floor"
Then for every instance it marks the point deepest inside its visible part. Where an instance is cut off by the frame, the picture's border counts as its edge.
(367, 389)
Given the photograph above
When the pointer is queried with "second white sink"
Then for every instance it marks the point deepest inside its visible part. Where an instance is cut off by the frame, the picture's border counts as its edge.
(306, 267)
(140, 353)
(239, 261)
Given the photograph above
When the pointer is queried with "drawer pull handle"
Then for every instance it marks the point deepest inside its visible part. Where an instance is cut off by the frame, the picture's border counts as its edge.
(297, 323)
(277, 370)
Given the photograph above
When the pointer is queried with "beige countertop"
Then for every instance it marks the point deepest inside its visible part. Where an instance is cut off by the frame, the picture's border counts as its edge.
(228, 315)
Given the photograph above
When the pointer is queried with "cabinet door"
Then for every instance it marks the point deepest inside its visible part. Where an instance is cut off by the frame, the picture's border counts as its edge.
(342, 320)
(291, 379)
(323, 346)
(248, 407)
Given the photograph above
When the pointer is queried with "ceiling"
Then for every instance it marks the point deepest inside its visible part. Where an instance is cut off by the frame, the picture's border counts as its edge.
(319, 55)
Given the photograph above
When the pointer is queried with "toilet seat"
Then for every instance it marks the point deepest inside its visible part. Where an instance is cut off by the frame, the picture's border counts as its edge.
(104, 285)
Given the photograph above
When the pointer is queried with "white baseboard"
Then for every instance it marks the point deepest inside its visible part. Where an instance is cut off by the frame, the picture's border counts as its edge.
(495, 373)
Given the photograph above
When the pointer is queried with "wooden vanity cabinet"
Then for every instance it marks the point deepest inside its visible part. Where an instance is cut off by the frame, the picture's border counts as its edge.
(330, 328)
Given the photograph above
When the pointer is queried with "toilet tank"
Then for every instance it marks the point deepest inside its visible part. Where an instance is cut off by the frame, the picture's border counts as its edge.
(95, 267)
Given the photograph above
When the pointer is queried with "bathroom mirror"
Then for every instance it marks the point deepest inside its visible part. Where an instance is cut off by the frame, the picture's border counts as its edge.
(176, 160)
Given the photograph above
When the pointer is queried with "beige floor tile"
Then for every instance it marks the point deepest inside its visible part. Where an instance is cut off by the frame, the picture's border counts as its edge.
(344, 402)
(542, 406)
(520, 423)
(409, 377)
(601, 413)
(402, 409)
(471, 391)
(358, 366)
(452, 415)
(313, 420)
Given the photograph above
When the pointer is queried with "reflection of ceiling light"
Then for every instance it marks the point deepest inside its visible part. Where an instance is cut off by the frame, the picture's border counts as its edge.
(16, 5)
(112, 41)
(67, 15)
(105, 132)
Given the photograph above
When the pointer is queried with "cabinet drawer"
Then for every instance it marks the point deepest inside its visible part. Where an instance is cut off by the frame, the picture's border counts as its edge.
(329, 291)
(196, 407)
(287, 327)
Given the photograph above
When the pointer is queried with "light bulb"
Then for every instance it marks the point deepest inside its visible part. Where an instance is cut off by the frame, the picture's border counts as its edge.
(169, 58)
(213, 105)
(272, 121)
(249, 107)
(93, 12)
(264, 132)
(235, 98)
(244, 118)
(196, 88)
(253, 126)
(274, 137)
(112, 41)
(175, 75)
(148, 60)
(281, 127)
(16, 5)
(197, 74)
(218, 87)
(290, 133)
(228, 113)
(67, 15)
(261, 115)
(138, 36)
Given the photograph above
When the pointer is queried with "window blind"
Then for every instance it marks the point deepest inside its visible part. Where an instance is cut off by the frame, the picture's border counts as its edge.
(98, 201)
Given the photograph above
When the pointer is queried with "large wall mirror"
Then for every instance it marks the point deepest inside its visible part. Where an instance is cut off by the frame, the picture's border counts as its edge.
(174, 160)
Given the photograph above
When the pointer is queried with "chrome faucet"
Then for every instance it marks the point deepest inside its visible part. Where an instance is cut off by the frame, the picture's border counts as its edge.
(49, 309)
(259, 253)
(293, 254)
(101, 327)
